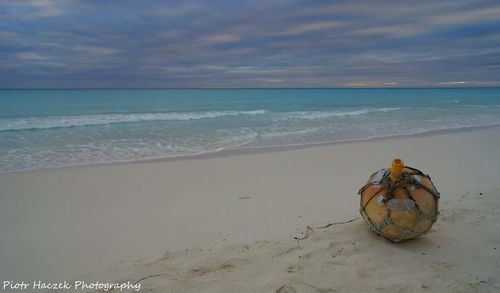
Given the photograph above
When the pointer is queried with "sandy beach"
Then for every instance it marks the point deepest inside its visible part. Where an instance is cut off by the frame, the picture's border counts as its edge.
(227, 223)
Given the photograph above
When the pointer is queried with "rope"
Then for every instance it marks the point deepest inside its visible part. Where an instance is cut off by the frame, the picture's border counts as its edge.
(405, 182)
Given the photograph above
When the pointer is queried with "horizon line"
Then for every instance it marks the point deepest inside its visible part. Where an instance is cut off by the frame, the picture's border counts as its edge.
(248, 88)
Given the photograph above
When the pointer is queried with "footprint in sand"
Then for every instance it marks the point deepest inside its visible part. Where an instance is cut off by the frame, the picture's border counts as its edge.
(441, 266)
(286, 289)
(287, 251)
(198, 272)
(293, 269)
(225, 267)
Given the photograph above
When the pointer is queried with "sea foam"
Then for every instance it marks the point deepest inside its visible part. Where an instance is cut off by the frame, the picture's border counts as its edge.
(31, 123)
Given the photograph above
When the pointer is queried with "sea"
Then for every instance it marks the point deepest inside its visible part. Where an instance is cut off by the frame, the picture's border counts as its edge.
(55, 128)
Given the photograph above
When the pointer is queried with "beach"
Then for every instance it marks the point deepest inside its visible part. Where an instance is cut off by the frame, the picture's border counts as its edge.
(230, 222)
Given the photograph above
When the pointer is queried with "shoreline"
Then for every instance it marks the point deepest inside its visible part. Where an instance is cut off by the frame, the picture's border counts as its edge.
(242, 150)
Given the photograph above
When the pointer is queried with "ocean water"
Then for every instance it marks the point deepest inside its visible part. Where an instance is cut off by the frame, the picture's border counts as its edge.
(54, 128)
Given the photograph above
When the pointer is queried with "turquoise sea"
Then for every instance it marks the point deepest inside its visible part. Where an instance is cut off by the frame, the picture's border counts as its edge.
(54, 128)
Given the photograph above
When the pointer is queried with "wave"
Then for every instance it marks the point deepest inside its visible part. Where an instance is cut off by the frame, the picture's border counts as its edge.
(32, 123)
(51, 122)
(288, 133)
(311, 115)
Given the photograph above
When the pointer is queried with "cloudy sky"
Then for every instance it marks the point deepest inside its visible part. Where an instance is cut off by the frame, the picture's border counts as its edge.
(258, 43)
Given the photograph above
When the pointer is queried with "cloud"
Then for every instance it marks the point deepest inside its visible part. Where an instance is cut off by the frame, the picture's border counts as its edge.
(466, 17)
(453, 82)
(33, 61)
(8, 35)
(194, 43)
(222, 38)
(372, 84)
(310, 27)
(47, 12)
(391, 30)
(176, 9)
(32, 9)
(96, 51)
(12, 38)
(30, 56)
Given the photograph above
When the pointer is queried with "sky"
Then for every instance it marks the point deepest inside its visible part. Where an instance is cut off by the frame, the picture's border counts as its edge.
(258, 43)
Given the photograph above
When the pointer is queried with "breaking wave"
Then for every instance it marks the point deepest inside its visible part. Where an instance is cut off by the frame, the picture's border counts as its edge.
(31, 123)
(310, 115)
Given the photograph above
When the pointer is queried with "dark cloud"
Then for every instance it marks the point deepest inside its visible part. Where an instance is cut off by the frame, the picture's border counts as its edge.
(125, 43)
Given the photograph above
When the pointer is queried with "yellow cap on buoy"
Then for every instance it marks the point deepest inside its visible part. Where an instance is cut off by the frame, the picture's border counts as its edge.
(396, 169)
(397, 165)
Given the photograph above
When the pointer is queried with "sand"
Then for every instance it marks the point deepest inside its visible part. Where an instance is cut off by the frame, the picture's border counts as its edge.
(227, 223)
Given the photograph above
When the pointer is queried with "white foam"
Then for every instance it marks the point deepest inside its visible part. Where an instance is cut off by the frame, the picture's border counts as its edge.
(89, 120)
(311, 115)
(34, 157)
(29, 123)
(288, 133)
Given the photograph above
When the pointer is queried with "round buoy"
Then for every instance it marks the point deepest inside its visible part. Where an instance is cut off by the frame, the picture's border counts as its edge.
(399, 203)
